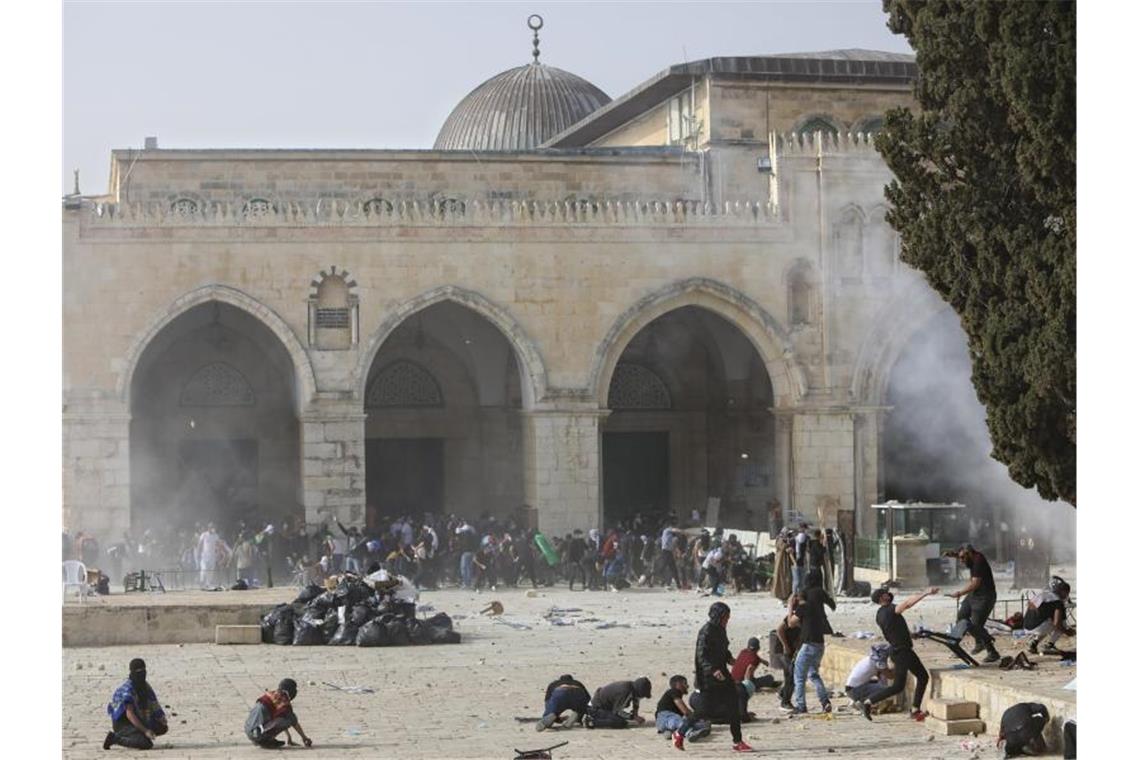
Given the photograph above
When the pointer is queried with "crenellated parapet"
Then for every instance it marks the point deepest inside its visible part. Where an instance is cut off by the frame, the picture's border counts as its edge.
(422, 213)
(811, 143)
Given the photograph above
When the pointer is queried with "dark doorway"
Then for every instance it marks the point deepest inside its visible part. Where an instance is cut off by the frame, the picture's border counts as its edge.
(405, 477)
(218, 478)
(635, 474)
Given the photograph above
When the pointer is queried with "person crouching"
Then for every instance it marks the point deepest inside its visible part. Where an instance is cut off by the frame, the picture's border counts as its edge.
(273, 714)
(136, 716)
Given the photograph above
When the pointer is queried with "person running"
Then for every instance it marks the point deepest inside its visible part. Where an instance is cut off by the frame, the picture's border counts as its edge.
(788, 637)
(273, 714)
(562, 695)
(712, 660)
(136, 715)
(868, 675)
(1045, 617)
(897, 633)
(815, 625)
(980, 597)
(621, 699)
(673, 713)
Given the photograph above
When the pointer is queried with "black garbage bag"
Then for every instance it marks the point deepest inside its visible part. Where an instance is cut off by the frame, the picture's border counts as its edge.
(309, 630)
(351, 591)
(440, 620)
(283, 629)
(269, 622)
(309, 593)
(397, 632)
(345, 635)
(320, 605)
(361, 614)
(418, 631)
(372, 634)
(443, 636)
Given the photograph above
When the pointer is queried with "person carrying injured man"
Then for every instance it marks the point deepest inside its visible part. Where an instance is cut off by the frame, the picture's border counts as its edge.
(897, 633)
(273, 714)
(1045, 617)
(868, 675)
(621, 699)
(673, 715)
(562, 695)
(712, 661)
(136, 716)
(980, 597)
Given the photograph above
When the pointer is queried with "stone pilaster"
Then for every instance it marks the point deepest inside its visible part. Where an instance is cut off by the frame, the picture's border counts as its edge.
(332, 463)
(96, 468)
(562, 476)
(823, 454)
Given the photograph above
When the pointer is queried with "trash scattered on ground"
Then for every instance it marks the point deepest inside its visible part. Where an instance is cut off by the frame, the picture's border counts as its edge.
(352, 731)
(350, 689)
(512, 623)
(969, 746)
(610, 624)
(862, 635)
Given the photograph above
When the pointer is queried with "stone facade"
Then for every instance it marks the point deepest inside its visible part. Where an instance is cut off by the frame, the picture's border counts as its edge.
(563, 256)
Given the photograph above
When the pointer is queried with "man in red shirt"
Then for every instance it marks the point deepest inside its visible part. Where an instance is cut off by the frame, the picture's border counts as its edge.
(744, 674)
(272, 714)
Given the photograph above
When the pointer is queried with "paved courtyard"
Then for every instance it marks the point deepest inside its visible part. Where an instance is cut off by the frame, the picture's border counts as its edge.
(462, 700)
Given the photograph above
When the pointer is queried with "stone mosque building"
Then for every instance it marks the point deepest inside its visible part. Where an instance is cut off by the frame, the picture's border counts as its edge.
(683, 297)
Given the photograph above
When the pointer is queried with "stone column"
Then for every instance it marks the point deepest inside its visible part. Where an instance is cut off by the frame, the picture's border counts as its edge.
(96, 468)
(823, 451)
(868, 470)
(332, 463)
(784, 470)
(562, 460)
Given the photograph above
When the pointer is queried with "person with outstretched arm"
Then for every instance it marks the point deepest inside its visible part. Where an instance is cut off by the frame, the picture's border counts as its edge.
(897, 633)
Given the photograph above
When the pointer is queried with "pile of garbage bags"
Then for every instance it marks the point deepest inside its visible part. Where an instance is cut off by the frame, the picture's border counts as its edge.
(352, 613)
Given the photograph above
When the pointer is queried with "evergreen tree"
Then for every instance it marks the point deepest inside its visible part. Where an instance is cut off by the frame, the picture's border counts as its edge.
(984, 199)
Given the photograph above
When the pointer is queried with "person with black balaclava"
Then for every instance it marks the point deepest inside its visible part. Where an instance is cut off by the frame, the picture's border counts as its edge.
(273, 714)
(136, 716)
(712, 661)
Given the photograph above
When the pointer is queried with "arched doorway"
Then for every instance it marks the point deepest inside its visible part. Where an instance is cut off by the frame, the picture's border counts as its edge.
(935, 446)
(690, 424)
(214, 432)
(443, 431)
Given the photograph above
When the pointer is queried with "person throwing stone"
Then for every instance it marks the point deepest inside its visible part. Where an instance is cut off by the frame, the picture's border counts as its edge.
(897, 633)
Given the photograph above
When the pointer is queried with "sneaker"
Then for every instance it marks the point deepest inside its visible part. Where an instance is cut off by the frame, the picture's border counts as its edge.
(545, 722)
(588, 722)
(787, 707)
(918, 716)
(978, 648)
(1033, 645)
(678, 740)
(826, 707)
(865, 707)
(271, 744)
(797, 710)
(109, 740)
(742, 747)
(1049, 648)
(575, 719)
(993, 656)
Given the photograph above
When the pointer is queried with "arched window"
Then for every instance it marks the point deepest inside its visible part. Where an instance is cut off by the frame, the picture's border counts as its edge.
(849, 243)
(333, 312)
(636, 387)
(403, 385)
(377, 206)
(880, 244)
(801, 294)
(869, 125)
(813, 124)
(184, 207)
(256, 208)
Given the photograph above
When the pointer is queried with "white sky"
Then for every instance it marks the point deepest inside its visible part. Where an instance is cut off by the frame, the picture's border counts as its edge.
(379, 75)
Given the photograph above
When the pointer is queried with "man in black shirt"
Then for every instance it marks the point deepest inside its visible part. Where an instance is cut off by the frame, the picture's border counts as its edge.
(576, 553)
(714, 677)
(895, 631)
(981, 596)
(784, 643)
(813, 622)
(673, 714)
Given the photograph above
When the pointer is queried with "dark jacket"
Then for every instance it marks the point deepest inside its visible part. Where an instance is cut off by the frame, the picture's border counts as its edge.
(712, 655)
(618, 697)
(555, 684)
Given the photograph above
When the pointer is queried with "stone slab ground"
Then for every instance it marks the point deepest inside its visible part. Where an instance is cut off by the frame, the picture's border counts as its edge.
(462, 700)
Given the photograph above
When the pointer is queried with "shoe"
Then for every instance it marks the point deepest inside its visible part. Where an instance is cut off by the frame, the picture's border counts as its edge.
(918, 716)
(575, 719)
(799, 710)
(588, 722)
(865, 707)
(109, 740)
(1049, 648)
(787, 707)
(1033, 645)
(271, 744)
(993, 656)
(545, 722)
(742, 747)
(826, 707)
(978, 648)
(678, 740)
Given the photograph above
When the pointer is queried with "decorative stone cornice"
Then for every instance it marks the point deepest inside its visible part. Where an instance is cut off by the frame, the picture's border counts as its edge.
(830, 143)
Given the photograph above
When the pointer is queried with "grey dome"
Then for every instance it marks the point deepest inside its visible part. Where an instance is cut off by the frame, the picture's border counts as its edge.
(519, 109)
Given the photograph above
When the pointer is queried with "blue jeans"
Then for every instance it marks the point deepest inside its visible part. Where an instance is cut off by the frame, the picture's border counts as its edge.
(566, 699)
(466, 568)
(807, 668)
(797, 578)
(668, 722)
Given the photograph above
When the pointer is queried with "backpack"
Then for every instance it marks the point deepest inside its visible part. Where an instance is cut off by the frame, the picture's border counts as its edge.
(1021, 727)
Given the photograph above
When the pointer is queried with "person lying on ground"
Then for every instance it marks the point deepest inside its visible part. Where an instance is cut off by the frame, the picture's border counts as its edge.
(712, 661)
(1045, 617)
(868, 675)
(897, 633)
(136, 716)
(672, 712)
(621, 699)
(562, 695)
(273, 714)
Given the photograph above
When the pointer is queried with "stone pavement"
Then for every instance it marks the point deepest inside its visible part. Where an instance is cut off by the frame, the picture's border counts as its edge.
(462, 700)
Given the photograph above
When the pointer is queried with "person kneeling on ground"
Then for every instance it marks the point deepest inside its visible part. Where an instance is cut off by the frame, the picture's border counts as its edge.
(620, 699)
(562, 695)
(673, 715)
(744, 674)
(136, 716)
(869, 674)
(272, 714)
(1045, 617)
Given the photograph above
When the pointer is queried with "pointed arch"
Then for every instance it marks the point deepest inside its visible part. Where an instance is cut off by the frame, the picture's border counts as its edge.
(304, 377)
(530, 360)
(763, 331)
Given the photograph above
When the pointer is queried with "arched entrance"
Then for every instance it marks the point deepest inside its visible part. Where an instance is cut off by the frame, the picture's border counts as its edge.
(690, 424)
(214, 432)
(443, 431)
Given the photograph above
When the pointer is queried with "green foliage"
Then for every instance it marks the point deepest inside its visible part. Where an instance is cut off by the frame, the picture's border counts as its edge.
(985, 203)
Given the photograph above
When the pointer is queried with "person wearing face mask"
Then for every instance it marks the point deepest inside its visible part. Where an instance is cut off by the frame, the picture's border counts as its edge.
(713, 661)
(136, 716)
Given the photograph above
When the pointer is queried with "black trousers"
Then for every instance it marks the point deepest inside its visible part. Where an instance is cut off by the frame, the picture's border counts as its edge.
(976, 609)
(574, 569)
(276, 726)
(906, 661)
(126, 735)
(720, 699)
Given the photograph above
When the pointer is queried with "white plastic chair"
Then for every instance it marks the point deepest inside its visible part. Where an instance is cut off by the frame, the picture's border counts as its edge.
(75, 577)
